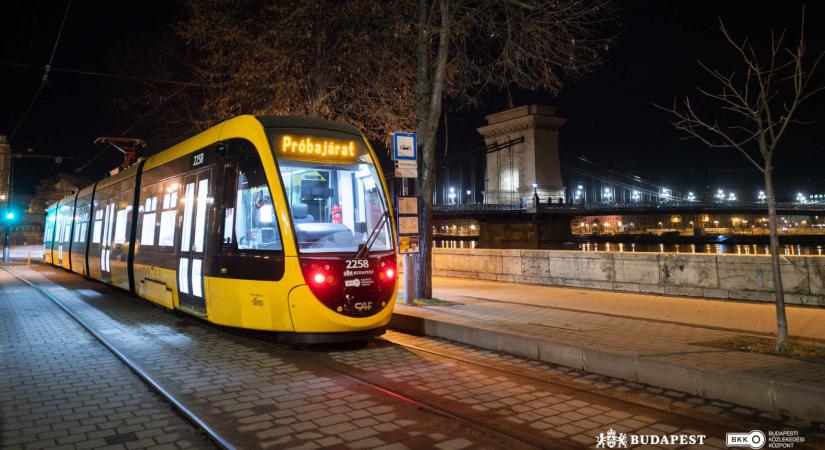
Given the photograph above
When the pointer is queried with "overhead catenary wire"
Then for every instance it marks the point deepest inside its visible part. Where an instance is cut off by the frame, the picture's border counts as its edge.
(131, 127)
(111, 75)
(45, 73)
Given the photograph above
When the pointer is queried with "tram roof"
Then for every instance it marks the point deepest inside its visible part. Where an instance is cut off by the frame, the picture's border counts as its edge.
(306, 122)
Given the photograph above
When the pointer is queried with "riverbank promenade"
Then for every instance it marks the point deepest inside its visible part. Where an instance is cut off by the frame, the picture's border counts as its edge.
(673, 343)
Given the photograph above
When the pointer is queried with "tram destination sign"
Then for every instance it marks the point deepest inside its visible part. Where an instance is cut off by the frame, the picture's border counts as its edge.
(315, 148)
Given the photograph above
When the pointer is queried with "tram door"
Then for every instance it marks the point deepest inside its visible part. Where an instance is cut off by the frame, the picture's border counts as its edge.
(193, 235)
(106, 241)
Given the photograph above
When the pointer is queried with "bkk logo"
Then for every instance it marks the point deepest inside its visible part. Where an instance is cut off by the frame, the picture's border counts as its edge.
(612, 439)
(755, 439)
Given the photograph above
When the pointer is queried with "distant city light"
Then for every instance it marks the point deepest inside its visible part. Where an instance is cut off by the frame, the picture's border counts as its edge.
(665, 194)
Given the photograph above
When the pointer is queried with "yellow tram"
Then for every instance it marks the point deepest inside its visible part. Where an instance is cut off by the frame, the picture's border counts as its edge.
(268, 223)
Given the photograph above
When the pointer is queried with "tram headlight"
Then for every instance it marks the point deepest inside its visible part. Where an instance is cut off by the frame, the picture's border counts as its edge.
(319, 278)
(390, 273)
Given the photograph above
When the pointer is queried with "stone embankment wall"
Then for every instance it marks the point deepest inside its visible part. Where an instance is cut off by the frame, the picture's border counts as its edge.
(738, 277)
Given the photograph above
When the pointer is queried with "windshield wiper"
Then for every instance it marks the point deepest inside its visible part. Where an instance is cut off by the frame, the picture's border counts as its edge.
(365, 247)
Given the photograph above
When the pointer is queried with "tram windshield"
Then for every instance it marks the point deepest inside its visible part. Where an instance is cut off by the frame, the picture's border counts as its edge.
(334, 192)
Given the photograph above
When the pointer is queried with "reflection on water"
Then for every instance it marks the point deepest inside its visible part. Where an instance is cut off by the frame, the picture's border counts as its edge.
(455, 243)
(736, 249)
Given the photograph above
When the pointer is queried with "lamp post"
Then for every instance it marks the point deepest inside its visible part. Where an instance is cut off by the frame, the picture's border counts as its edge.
(535, 195)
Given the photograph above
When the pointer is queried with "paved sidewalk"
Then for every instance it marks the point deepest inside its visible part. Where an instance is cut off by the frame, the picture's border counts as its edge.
(629, 336)
(59, 387)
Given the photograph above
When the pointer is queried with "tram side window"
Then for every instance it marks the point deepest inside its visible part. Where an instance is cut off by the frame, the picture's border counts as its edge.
(147, 234)
(256, 224)
(48, 235)
(169, 205)
(121, 219)
(80, 224)
(98, 227)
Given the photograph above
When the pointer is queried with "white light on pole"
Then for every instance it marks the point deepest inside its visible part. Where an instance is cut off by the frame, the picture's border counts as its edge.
(607, 195)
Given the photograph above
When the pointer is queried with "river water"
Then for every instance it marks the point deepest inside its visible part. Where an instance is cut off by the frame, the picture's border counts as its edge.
(736, 249)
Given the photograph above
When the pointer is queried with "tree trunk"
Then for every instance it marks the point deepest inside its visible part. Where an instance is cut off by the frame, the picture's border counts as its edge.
(782, 344)
(429, 95)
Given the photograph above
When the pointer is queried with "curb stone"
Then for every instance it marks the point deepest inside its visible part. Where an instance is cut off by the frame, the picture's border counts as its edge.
(797, 399)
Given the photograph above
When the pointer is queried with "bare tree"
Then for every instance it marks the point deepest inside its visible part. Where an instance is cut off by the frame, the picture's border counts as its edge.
(465, 48)
(754, 106)
(336, 60)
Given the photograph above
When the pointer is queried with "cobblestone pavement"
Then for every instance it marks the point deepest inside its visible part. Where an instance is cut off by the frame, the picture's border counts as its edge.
(61, 388)
(260, 394)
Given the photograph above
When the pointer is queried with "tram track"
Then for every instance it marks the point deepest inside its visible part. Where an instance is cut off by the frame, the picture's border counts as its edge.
(587, 389)
(421, 404)
(398, 392)
(145, 377)
(513, 440)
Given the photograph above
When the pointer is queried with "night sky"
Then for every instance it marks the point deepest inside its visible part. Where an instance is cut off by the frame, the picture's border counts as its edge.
(611, 115)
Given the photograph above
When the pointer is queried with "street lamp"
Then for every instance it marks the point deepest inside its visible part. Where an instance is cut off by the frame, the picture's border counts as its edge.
(719, 195)
(452, 195)
(635, 196)
(731, 197)
(691, 197)
(800, 198)
(535, 195)
(607, 195)
(761, 197)
(664, 194)
(579, 193)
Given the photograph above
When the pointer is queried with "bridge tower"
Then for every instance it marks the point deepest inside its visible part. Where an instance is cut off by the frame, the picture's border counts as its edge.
(513, 170)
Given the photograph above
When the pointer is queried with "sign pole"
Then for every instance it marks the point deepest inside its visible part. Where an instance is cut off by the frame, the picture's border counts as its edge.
(409, 264)
(405, 155)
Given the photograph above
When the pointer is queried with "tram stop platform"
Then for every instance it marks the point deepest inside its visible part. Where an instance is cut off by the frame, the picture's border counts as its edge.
(677, 343)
